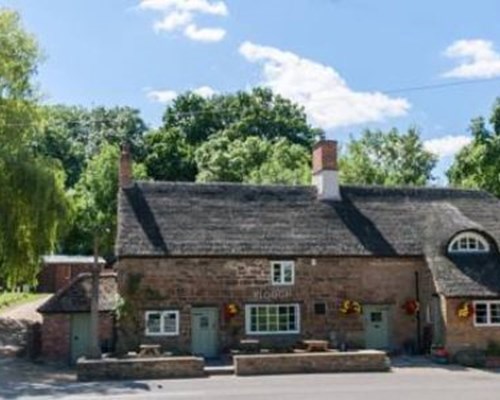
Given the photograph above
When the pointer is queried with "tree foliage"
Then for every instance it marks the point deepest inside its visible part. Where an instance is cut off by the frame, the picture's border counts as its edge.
(228, 137)
(33, 206)
(94, 199)
(387, 158)
(73, 135)
(253, 160)
(477, 164)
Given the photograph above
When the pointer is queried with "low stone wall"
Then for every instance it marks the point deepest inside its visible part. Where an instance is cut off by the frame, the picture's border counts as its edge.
(332, 361)
(139, 368)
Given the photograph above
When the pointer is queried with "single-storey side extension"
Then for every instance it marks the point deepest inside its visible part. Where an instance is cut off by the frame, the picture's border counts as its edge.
(65, 333)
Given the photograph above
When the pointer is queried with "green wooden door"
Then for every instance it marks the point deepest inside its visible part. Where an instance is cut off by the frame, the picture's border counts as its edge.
(80, 335)
(204, 323)
(376, 327)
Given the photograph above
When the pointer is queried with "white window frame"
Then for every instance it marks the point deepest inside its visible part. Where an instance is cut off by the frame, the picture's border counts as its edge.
(488, 313)
(468, 237)
(282, 264)
(248, 323)
(162, 314)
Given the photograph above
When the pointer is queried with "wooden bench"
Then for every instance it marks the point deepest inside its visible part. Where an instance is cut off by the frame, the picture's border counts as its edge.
(149, 350)
(316, 345)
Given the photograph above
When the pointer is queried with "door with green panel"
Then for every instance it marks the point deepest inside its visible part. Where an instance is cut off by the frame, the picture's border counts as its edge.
(376, 321)
(80, 335)
(204, 323)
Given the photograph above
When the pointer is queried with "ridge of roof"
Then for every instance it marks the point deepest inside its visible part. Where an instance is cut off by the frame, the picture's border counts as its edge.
(353, 188)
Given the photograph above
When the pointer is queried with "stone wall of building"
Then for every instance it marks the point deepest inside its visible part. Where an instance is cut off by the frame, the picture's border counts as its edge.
(53, 277)
(56, 335)
(461, 334)
(183, 283)
(56, 331)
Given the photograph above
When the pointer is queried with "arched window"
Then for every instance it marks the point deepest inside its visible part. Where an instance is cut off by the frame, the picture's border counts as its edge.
(469, 242)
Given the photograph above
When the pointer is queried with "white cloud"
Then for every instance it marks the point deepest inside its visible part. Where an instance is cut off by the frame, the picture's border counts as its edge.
(173, 21)
(167, 96)
(447, 145)
(205, 91)
(162, 96)
(196, 6)
(326, 97)
(204, 34)
(178, 15)
(477, 59)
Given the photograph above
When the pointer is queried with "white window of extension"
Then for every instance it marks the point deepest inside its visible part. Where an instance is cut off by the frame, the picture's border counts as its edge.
(282, 272)
(487, 313)
(162, 323)
(469, 242)
(272, 319)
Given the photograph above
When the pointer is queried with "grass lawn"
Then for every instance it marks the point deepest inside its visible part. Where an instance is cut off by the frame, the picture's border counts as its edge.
(12, 299)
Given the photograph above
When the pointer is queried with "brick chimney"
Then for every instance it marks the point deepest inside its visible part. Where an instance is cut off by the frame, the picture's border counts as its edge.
(325, 175)
(125, 169)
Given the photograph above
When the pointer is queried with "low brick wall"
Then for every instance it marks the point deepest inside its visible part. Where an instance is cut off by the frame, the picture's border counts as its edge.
(264, 364)
(139, 368)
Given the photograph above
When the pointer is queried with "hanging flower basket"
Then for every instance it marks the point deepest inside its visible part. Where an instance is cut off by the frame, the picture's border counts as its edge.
(230, 311)
(411, 307)
(465, 310)
(350, 307)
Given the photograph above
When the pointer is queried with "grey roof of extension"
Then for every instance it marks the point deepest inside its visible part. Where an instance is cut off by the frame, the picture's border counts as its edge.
(223, 219)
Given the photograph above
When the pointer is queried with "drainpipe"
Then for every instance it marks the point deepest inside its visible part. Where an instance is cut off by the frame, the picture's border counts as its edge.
(417, 316)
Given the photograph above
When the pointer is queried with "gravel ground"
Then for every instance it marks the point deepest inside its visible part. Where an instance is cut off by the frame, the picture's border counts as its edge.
(25, 311)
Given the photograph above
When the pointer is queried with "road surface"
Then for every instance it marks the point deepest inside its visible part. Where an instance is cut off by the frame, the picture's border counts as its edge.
(412, 383)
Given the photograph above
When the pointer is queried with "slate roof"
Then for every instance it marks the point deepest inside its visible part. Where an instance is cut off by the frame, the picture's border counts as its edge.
(75, 296)
(189, 219)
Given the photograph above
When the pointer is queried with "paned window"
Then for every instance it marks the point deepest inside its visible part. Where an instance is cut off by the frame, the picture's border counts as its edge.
(282, 272)
(162, 323)
(272, 318)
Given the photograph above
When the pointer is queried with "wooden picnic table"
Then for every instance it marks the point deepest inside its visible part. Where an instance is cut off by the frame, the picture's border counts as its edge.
(250, 345)
(149, 350)
(316, 345)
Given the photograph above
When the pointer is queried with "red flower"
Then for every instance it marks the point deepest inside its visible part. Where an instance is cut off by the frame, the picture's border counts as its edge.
(411, 307)
(230, 310)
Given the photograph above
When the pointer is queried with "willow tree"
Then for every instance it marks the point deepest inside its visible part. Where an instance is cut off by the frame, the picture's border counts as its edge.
(32, 200)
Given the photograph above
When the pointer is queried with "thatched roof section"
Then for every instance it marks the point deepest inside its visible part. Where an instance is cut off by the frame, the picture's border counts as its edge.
(184, 219)
(75, 296)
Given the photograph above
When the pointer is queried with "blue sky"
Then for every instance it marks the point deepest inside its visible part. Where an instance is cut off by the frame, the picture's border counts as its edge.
(338, 58)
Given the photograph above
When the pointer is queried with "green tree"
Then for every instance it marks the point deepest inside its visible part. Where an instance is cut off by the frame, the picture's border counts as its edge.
(168, 156)
(95, 201)
(73, 135)
(252, 160)
(387, 158)
(33, 206)
(476, 165)
(193, 122)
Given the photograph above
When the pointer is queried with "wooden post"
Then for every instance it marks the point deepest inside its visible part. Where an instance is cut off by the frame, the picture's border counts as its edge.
(94, 350)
